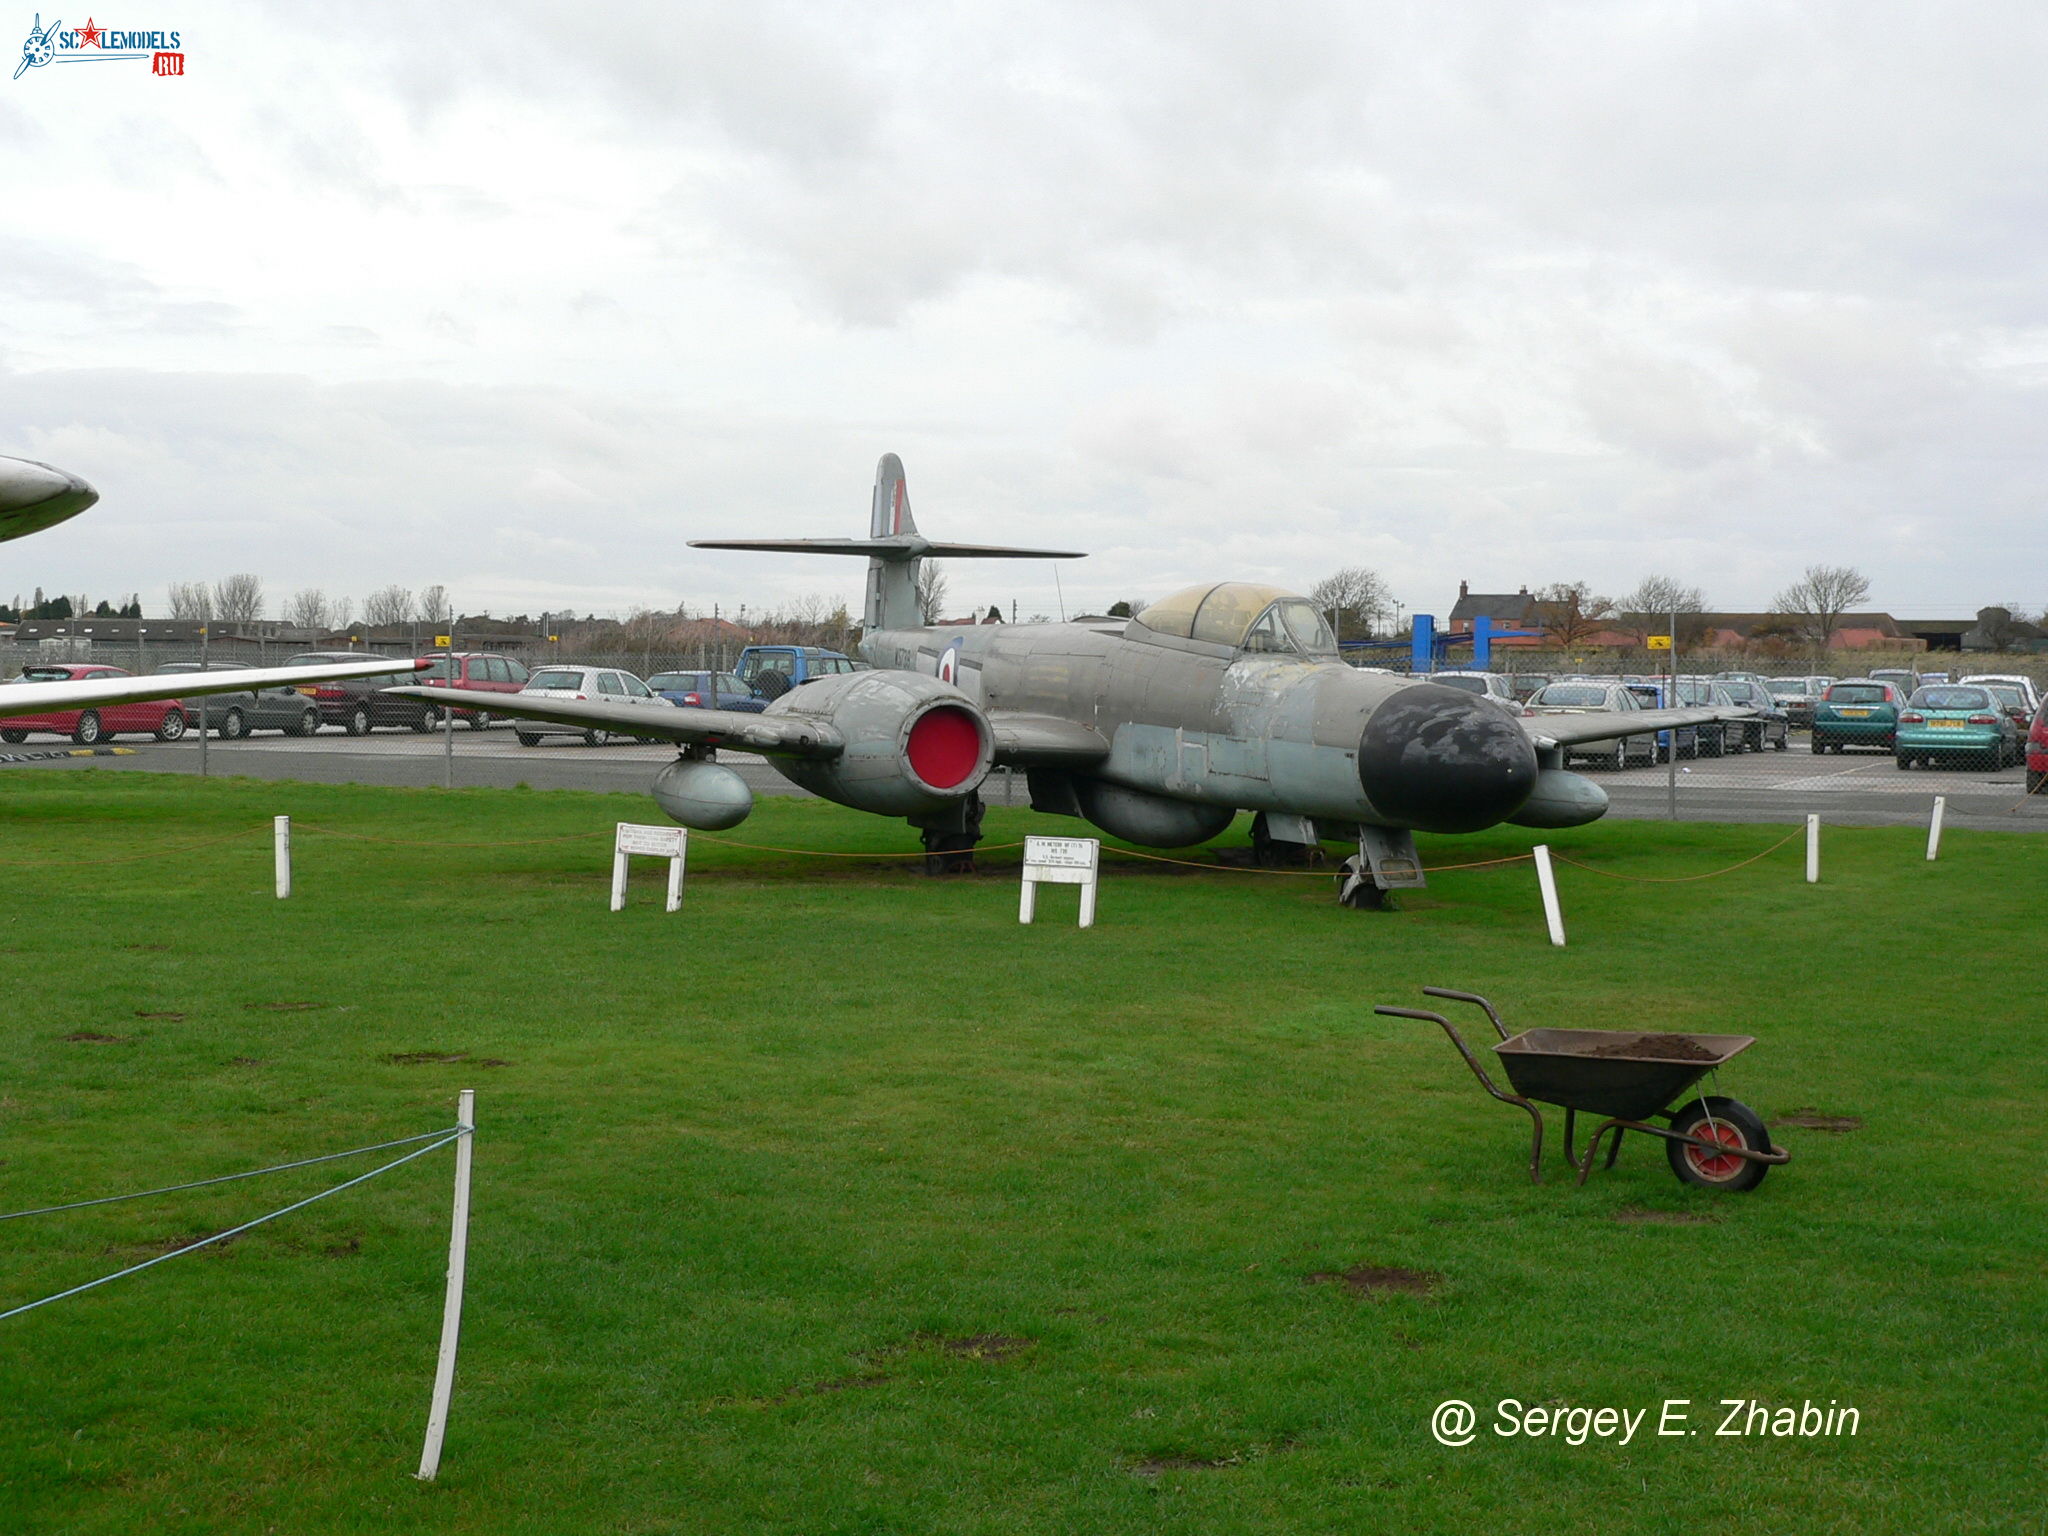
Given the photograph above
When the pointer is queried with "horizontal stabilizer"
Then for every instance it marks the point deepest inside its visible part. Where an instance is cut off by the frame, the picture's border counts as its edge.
(900, 548)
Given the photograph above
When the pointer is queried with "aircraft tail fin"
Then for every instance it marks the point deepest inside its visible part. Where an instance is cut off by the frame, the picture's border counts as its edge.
(895, 550)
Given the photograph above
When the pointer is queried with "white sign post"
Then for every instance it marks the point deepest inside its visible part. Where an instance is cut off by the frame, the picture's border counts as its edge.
(671, 843)
(1553, 915)
(1934, 828)
(1813, 849)
(1060, 861)
(451, 1306)
(281, 840)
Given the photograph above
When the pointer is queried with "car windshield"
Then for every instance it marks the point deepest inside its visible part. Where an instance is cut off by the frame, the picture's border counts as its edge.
(555, 677)
(1469, 684)
(1573, 695)
(682, 680)
(1786, 687)
(767, 661)
(1857, 693)
(44, 675)
(1951, 698)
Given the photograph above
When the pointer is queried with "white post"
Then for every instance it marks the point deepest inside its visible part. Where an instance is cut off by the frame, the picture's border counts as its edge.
(1548, 881)
(281, 836)
(1028, 902)
(1813, 850)
(675, 872)
(1934, 828)
(451, 1311)
(618, 879)
(1088, 905)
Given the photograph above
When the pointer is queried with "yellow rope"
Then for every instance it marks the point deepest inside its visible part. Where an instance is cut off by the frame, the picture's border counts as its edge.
(826, 853)
(1680, 879)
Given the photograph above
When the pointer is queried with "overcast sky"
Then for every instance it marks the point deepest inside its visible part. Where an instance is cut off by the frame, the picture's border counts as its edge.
(518, 298)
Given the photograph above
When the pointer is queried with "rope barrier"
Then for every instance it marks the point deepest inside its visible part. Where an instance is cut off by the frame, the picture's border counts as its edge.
(1678, 879)
(229, 1178)
(399, 842)
(826, 853)
(221, 1237)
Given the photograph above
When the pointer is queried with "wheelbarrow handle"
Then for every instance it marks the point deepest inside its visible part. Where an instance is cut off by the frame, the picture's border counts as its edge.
(1469, 997)
(1535, 1117)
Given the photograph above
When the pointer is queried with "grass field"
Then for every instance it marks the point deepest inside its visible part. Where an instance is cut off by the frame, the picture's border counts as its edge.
(840, 1202)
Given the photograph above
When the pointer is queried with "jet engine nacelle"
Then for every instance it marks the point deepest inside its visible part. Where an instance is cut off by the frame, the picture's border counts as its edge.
(1561, 799)
(704, 795)
(914, 746)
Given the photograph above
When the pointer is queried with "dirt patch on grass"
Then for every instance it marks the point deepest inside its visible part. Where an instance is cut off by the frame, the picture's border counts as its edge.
(832, 1384)
(1370, 1279)
(1810, 1119)
(442, 1059)
(153, 949)
(158, 1013)
(93, 1037)
(285, 1007)
(247, 1061)
(1657, 1048)
(1639, 1217)
(987, 1346)
(345, 1247)
(1203, 1461)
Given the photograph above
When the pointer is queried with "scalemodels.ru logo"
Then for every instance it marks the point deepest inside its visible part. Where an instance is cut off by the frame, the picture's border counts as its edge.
(93, 43)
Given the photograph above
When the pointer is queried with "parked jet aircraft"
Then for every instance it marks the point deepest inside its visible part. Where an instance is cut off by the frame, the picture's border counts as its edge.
(36, 496)
(1158, 729)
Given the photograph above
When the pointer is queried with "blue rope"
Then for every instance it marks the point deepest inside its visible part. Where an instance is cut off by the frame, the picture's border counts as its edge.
(227, 1178)
(221, 1237)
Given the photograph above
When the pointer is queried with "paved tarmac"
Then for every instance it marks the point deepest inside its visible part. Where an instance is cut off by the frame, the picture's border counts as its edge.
(1850, 789)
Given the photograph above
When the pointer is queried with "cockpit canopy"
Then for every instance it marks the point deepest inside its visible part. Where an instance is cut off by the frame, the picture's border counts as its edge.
(1245, 616)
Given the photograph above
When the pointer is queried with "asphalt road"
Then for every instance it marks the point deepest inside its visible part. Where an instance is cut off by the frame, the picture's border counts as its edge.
(1855, 789)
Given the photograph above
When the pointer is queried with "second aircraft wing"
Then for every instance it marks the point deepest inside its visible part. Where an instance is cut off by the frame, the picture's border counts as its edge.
(1607, 724)
(770, 735)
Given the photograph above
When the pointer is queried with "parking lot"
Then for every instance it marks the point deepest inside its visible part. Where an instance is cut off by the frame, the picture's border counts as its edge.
(1863, 789)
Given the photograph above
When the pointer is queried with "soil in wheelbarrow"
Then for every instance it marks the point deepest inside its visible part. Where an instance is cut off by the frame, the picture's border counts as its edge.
(1657, 1048)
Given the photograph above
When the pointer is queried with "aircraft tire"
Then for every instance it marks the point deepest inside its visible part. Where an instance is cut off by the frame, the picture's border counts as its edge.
(88, 733)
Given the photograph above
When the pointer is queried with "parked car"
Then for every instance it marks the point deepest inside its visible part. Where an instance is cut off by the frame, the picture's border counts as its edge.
(695, 690)
(2013, 703)
(1955, 724)
(609, 684)
(770, 671)
(1861, 712)
(2037, 752)
(359, 704)
(1526, 683)
(1767, 725)
(1685, 740)
(162, 718)
(1714, 737)
(470, 671)
(1488, 685)
(232, 716)
(2026, 685)
(1797, 696)
(1902, 678)
(1589, 698)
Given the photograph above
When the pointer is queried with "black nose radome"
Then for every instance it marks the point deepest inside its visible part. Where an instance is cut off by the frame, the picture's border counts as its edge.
(1441, 760)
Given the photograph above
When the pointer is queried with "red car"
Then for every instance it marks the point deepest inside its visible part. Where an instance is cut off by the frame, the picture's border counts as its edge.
(165, 719)
(2037, 752)
(482, 671)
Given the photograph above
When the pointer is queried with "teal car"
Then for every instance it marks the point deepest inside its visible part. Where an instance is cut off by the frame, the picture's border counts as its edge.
(1955, 725)
(1862, 712)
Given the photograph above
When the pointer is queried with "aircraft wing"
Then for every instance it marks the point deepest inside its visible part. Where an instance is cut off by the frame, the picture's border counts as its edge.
(1045, 741)
(18, 698)
(1607, 724)
(770, 735)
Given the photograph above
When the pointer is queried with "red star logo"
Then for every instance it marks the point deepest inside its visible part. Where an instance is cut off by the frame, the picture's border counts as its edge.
(88, 35)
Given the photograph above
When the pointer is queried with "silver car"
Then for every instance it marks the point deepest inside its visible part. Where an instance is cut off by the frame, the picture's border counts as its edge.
(610, 685)
(1589, 697)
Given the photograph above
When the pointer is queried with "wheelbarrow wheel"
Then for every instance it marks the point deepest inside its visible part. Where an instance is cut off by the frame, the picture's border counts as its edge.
(1727, 1121)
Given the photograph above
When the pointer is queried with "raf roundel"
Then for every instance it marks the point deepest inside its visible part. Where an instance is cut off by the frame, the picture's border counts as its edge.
(949, 664)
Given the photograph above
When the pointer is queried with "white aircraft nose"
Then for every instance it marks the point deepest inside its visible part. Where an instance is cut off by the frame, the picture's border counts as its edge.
(36, 496)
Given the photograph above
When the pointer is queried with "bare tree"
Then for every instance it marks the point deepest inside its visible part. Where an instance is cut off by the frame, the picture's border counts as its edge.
(309, 608)
(434, 604)
(344, 612)
(1820, 598)
(238, 599)
(191, 600)
(388, 605)
(931, 590)
(1571, 614)
(648, 631)
(1355, 599)
(1649, 608)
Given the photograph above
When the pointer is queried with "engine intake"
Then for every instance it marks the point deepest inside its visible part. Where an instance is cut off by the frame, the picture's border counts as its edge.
(914, 745)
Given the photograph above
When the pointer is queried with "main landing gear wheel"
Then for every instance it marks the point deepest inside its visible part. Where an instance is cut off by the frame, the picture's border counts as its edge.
(952, 853)
(1357, 890)
(1732, 1124)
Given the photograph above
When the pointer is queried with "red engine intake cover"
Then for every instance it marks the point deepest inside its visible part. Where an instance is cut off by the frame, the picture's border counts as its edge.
(944, 747)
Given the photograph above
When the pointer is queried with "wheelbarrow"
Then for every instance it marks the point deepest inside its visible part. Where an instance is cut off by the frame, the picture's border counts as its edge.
(1627, 1076)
